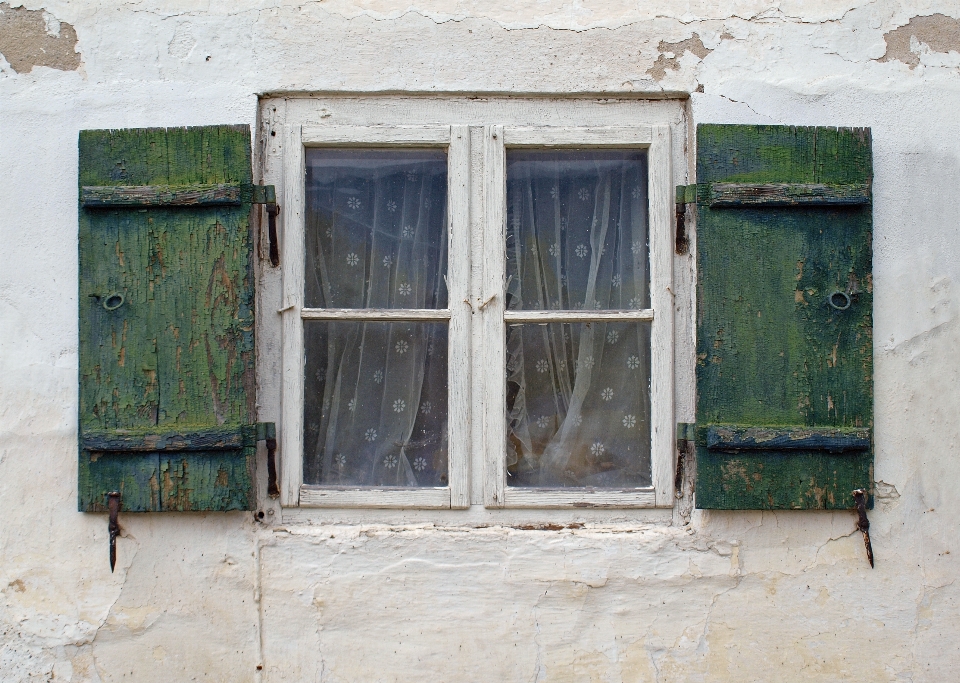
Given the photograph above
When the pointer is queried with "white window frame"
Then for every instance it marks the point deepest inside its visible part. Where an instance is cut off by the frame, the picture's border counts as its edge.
(455, 140)
(656, 141)
(477, 321)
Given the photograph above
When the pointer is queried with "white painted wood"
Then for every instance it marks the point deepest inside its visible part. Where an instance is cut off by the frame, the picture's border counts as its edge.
(575, 316)
(460, 316)
(374, 497)
(360, 136)
(375, 314)
(605, 136)
(491, 315)
(517, 497)
(478, 405)
(292, 243)
(663, 424)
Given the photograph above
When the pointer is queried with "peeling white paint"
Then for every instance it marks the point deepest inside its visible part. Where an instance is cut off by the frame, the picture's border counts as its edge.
(745, 596)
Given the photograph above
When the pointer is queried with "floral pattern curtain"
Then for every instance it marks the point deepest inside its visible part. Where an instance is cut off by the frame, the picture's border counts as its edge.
(375, 394)
(578, 395)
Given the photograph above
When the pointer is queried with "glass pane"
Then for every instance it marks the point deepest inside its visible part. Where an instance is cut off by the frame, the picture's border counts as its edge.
(375, 229)
(578, 404)
(577, 230)
(375, 404)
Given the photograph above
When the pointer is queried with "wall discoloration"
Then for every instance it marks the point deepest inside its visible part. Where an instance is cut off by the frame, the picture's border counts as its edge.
(671, 53)
(30, 38)
(938, 32)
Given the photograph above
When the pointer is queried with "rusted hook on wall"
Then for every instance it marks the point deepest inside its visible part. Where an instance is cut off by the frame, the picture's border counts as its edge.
(863, 524)
(113, 506)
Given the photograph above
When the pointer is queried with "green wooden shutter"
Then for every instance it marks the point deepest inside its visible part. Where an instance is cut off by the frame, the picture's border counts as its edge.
(166, 319)
(784, 317)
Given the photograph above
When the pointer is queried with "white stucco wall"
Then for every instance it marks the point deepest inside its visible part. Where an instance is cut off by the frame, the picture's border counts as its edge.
(745, 596)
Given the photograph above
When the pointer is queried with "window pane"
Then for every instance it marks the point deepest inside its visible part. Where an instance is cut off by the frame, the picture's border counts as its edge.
(375, 229)
(577, 230)
(375, 404)
(578, 404)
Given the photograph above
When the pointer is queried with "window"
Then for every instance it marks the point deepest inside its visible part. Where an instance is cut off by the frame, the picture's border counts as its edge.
(475, 310)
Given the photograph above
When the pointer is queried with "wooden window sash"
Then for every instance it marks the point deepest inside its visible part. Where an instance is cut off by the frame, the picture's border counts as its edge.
(656, 140)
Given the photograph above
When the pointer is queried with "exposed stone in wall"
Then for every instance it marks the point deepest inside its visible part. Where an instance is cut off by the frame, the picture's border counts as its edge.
(938, 32)
(30, 38)
(670, 54)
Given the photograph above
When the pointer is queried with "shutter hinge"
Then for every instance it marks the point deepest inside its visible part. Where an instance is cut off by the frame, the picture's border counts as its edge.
(267, 431)
(267, 195)
(685, 437)
(685, 194)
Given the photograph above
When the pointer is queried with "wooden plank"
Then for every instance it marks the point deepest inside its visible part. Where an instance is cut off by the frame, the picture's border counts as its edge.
(375, 314)
(735, 437)
(787, 194)
(290, 450)
(662, 420)
(103, 196)
(601, 136)
(166, 312)
(207, 480)
(135, 476)
(490, 306)
(458, 284)
(205, 439)
(375, 497)
(360, 136)
(771, 351)
(578, 316)
(560, 498)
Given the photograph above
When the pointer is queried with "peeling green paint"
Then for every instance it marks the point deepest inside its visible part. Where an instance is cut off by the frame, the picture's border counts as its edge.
(177, 352)
(772, 350)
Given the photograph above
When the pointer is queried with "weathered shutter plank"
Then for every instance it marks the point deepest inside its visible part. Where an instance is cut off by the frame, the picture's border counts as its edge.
(772, 351)
(177, 352)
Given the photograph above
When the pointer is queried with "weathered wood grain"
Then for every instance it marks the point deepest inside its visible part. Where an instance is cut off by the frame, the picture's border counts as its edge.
(103, 196)
(735, 438)
(786, 194)
(771, 351)
(178, 352)
(209, 439)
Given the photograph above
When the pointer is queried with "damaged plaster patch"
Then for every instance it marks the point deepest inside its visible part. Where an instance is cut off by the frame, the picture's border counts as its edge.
(938, 32)
(670, 54)
(30, 38)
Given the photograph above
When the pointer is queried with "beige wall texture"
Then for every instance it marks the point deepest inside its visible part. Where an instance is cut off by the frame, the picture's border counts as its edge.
(688, 596)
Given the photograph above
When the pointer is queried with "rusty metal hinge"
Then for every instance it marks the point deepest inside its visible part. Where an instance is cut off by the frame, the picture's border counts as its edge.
(113, 526)
(863, 524)
(267, 195)
(686, 194)
(267, 431)
(685, 437)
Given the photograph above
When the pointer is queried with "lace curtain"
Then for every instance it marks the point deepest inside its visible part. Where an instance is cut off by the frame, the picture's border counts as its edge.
(578, 395)
(375, 394)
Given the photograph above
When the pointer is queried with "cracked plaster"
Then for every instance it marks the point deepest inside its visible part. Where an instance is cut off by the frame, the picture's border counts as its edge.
(746, 596)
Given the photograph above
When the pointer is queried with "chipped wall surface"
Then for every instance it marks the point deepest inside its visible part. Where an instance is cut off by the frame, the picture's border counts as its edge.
(645, 596)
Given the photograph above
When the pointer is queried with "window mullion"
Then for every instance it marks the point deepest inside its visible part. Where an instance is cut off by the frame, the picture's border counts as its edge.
(458, 289)
(491, 309)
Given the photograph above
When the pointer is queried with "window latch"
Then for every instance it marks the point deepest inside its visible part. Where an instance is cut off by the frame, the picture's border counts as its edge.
(267, 195)
(863, 524)
(113, 527)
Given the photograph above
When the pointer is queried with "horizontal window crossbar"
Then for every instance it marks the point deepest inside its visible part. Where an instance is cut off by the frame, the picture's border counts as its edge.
(376, 314)
(644, 315)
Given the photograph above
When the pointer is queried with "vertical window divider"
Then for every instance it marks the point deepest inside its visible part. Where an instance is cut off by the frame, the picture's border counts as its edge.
(491, 311)
(459, 334)
(292, 242)
(663, 425)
